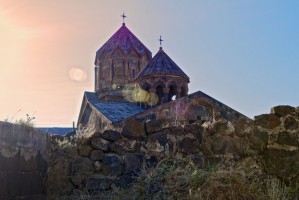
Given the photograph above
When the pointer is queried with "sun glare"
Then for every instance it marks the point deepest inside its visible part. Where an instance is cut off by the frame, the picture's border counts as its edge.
(13, 39)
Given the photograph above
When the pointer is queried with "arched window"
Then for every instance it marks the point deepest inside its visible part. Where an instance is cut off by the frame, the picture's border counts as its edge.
(172, 92)
(160, 94)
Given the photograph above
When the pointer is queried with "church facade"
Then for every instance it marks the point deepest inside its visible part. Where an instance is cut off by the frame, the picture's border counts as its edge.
(130, 83)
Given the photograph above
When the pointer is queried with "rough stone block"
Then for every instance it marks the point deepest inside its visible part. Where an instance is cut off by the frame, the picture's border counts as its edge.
(262, 135)
(243, 127)
(111, 135)
(99, 143)
(153, 126)
(96, 155)
(85, 150)
(290, 123)
(112, 164)
(157, 142)
(133, 163)
(287, 138)
(189, 145)
(58, 179)
(98, 182)
(124, 145)
(133, 129)
(282, 163)
(80, 169)
(268, 121)
(282, 110)
(177, 130)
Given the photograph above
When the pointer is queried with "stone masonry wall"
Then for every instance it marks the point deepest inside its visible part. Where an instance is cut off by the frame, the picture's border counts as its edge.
(112, 159)
(24, 154)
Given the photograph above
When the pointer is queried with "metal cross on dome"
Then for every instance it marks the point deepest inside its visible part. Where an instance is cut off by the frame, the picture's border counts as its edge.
(123, 16)
(160, 40)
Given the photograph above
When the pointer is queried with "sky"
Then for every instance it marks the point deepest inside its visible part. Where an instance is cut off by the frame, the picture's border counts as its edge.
(242, 53)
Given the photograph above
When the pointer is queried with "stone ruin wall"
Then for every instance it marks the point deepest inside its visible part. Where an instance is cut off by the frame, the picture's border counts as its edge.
(24, 154)
(112, 159)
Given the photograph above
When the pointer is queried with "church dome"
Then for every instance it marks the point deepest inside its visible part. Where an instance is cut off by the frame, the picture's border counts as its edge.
(162, 65)
(124, 40)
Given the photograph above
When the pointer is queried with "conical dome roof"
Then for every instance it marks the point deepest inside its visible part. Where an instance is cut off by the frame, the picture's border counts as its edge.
(162, 64)
(125, 40)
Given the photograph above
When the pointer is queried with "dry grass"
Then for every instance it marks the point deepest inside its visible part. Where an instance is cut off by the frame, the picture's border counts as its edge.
(173, 179)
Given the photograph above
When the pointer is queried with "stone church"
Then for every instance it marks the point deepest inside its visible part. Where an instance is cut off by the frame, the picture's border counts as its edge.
(131, 84)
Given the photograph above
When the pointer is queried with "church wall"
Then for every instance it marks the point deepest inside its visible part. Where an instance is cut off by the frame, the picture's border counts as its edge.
(118, 69)
(97, 122)
(194, 107)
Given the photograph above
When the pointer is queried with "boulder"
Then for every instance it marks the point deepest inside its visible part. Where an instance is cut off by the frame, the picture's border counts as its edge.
(125, 145)
(177, 130)
(157, 142)
(286, 138)
(222, 127)
(155, 125)
(290, 123)
(112, 164)
(243, 127)
(133, 129)
(282, 163)
(111, 135)
(257, 144)
(189, 145)
(282, 111)
(222, 145)
(96, 155)
(258, 141)
(268, 121)
(262, 135)
(133, 163)
(98, 182)
(58, 178)
(84, 150)
(99, 143)
(80, 169)
(195, 130)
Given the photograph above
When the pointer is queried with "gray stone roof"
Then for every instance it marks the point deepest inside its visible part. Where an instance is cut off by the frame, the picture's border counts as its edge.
(114, 111)
(162, 64)
(126, 41)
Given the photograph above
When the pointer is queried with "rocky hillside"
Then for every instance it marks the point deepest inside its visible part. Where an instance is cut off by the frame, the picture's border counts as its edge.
(219, 159)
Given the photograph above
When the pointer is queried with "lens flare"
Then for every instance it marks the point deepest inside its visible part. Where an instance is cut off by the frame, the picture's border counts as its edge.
(77, 74)
(135, 94)
(153, 100)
